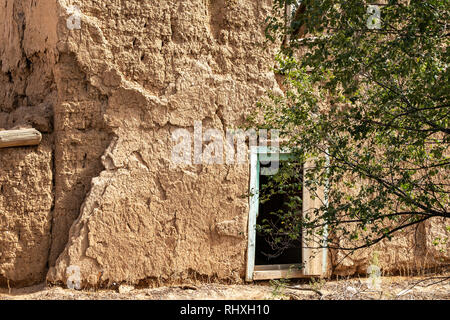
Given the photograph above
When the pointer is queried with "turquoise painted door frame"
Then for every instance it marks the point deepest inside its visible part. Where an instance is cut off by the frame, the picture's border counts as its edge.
(257, 155)
(313, 267)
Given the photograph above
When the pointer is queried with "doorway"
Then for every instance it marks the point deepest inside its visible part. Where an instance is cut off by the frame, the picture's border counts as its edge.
(276, 247)
(265, 258)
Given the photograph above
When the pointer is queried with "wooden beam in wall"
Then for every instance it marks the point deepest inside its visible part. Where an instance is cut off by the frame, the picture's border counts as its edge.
(19, 138)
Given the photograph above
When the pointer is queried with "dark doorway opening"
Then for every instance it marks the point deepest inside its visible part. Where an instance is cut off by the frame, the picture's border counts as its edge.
(266, 251)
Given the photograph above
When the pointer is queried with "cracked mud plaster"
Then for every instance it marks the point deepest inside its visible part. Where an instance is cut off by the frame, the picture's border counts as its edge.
(155, 67)
(27, 96)
(105, 195)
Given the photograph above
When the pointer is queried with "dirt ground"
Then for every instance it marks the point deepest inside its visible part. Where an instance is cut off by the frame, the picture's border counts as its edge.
(430, 287)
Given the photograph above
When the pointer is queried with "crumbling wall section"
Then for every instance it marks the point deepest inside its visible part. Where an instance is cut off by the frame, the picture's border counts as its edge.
(101, 192)
(26, 199)
(414, 250)
(81, 138)
(157, 67)
(27, 97)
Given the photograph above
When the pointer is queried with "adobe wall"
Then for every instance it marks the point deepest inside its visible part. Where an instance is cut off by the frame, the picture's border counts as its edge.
(417, 249)
(27, 97)
(101, 191)
(133, 74)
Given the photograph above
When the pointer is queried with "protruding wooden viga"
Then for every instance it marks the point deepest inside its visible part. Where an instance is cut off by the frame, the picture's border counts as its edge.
(19, 138)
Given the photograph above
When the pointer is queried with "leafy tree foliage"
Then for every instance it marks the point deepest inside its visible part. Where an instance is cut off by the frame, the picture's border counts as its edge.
(369, 109)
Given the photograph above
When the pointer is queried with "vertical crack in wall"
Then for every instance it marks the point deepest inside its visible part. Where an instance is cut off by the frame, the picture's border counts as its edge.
(81, 136)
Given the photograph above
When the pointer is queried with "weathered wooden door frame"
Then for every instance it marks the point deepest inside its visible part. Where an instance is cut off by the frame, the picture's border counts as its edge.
(311, 268)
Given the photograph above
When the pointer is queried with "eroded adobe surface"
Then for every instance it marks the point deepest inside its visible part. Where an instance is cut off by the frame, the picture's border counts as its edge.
(420, 248)
(27, 97)
(101, 192)
(138, 71)
(25, 221)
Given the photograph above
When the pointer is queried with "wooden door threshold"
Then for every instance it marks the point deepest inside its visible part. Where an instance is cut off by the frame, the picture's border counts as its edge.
(279, 271)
